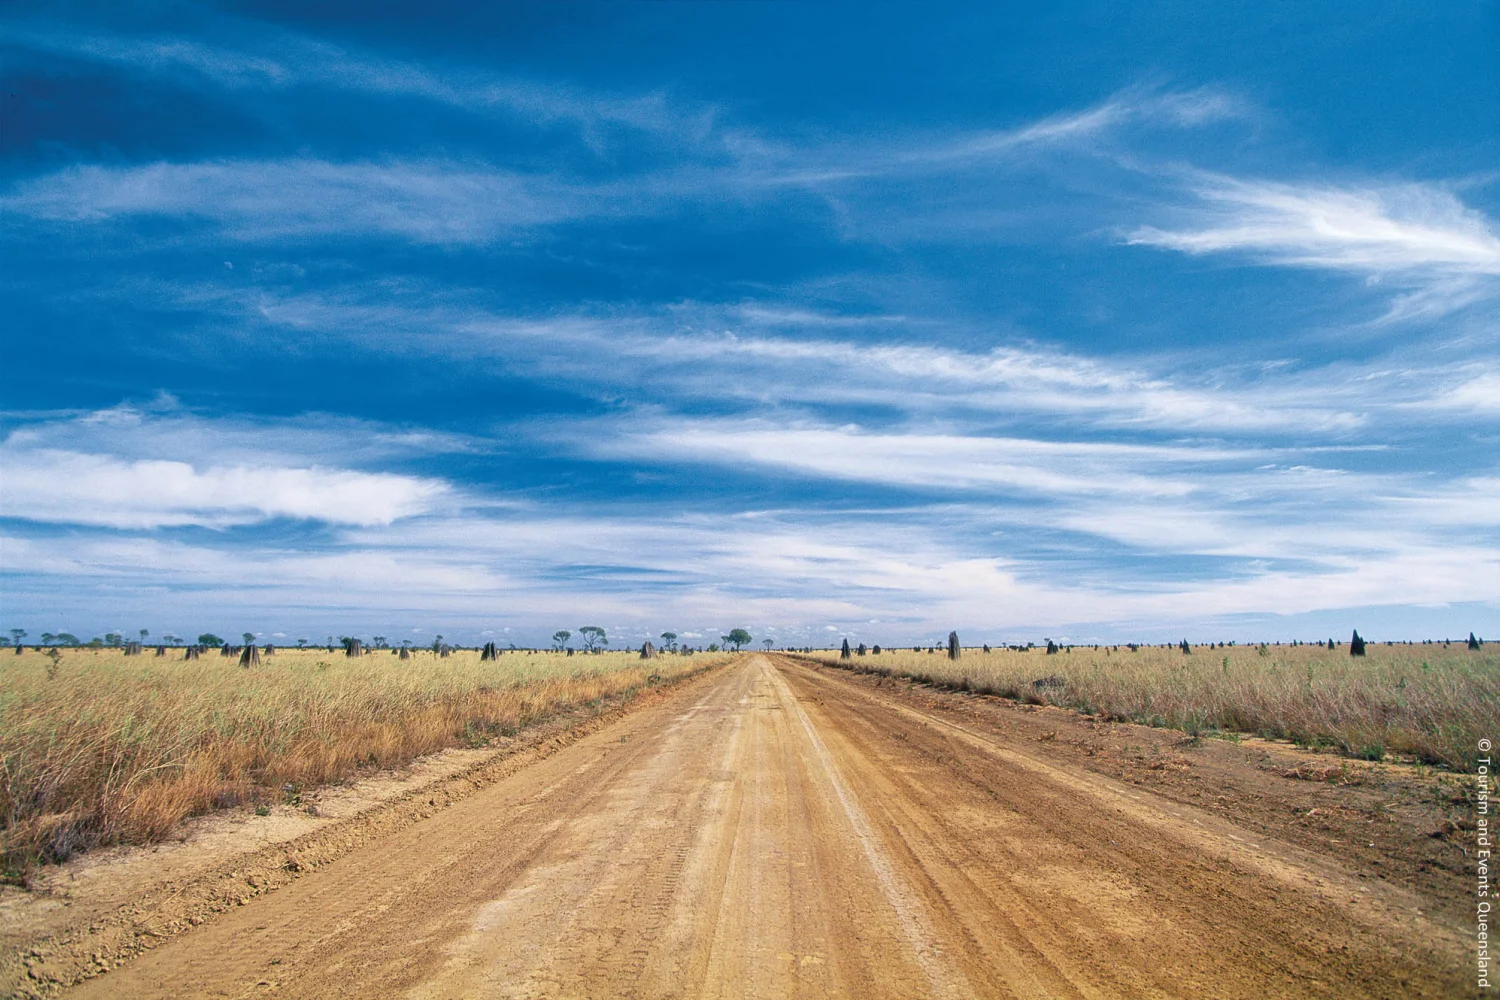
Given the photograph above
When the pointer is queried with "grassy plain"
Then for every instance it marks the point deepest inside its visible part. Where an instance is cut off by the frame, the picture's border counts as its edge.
(98, 747)
(1428, 702)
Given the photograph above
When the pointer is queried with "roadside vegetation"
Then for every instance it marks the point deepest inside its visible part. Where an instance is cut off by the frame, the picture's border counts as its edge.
(98, 746)
(1431, 703)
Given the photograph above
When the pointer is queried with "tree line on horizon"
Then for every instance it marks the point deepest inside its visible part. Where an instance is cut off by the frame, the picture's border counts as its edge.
(595, 639)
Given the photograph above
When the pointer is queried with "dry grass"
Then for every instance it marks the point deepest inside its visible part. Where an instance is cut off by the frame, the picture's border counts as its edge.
(1431, 703)
(103, 748)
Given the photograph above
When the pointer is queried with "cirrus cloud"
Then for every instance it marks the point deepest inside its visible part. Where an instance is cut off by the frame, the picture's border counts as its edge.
(1444, 253)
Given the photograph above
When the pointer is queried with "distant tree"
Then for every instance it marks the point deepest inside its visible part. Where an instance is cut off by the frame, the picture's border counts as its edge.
(713, 647)
(301, 643)
(113, 639)
(249, 637)
(437, 643)
(560, 638)
(48, 638)
(669, 640)
(379, 641)
(766, 643)
(209, 639)
(593, 637)
(17, 634)
(737, 637)
(145, 632)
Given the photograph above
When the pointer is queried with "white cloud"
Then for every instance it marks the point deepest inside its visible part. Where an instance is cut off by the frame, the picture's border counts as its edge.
(1420, 236)
(75, 488)
(164, 430)
(1481, 393)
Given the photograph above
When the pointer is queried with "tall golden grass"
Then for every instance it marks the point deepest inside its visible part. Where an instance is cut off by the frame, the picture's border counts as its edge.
(97, 747)
(1428, 702)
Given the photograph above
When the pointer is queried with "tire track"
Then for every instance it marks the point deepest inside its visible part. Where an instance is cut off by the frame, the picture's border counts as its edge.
(945, 978)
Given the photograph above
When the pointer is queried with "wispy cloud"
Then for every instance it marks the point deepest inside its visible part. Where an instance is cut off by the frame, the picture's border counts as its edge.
(265, 58)
(1443, 254)
(783, 355)
(1133, 106)
(916, 458)
(439, 203)
(450, 201)
(762, 355)
(1008, 379)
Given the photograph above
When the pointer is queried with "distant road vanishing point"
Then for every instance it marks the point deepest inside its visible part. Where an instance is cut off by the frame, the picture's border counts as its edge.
(774, 829)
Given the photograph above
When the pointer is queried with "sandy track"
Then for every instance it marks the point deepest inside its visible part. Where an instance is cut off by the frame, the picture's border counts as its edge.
(781, 831)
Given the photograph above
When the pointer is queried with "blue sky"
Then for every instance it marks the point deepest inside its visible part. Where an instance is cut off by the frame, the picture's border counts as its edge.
(817, 319)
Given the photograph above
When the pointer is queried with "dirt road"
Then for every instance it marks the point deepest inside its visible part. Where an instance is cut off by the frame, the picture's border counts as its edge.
(775, 830)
